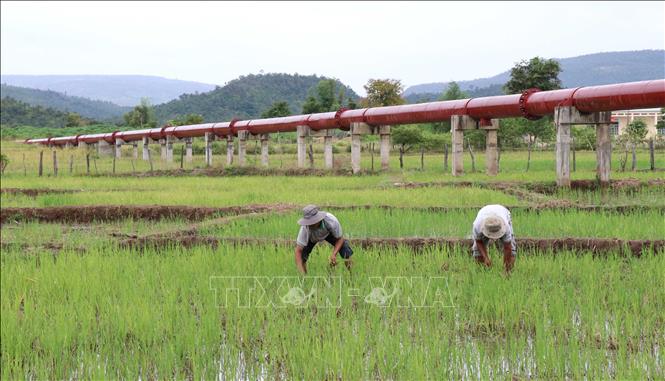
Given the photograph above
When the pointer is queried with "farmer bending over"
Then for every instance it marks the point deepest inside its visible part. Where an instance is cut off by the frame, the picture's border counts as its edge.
(493, 223)
(316, 226)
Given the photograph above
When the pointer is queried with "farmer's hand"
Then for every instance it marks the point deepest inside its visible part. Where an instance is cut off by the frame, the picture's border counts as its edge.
(487, 262)
(333, 260)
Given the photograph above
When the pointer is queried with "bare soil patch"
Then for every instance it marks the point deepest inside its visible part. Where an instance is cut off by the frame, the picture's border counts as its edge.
(549, 245)
(34, 192)
(88, 214)
(592, 185)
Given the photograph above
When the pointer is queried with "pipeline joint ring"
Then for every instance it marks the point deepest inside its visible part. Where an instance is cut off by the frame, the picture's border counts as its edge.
(338, 116)
(523, 98)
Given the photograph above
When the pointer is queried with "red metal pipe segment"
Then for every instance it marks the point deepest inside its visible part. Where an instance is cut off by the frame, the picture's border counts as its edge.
(530, 104)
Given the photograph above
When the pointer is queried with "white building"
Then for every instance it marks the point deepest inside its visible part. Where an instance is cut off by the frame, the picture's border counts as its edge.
(651, 116)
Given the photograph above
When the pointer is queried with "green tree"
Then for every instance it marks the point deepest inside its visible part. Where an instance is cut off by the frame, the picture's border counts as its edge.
(660, 124)
(453, 92)
(384, 92)
(325, 97)
(186, 120)
(311, 106)
(636, 131)
(141, 116)
(537, 72)
(277, 109)
(74, 120)
(406, 136)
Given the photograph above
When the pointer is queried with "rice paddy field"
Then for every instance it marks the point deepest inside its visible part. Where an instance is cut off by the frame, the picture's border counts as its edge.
(190, 273)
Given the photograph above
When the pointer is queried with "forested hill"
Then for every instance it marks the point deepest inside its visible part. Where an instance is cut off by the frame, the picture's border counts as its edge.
(17, 113)
(97, 110)
(586, 70)
(246, 97)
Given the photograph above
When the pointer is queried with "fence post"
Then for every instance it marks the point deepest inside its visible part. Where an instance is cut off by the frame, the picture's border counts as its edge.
(55, 163)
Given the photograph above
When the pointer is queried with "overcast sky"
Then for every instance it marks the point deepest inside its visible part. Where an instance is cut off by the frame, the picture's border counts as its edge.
(414, 42)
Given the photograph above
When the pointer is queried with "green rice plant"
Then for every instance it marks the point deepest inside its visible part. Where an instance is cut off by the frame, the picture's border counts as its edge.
(120, 313)
(375, 222)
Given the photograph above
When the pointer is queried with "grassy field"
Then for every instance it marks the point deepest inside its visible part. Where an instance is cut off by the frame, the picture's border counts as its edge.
(77, 302)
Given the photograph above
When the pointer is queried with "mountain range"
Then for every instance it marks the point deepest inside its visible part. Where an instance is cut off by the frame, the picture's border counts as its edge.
(108, 97)
(93, 109)
(123, 90)
(586, 70)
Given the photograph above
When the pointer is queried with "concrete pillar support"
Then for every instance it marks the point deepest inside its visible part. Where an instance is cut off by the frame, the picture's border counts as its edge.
(162, 144)
(603, 154)
(566, 116)
(357, 130)
(118, 148)
(146, 147)
(209, 138)
(242, 147)
(264, 149)
(491, 147)
(563, 155)
(302, 133)
(384, 147)
(328, 149)
(229, 150)
(459, 123)
(104, 148)
(169, 149)
(189, 157)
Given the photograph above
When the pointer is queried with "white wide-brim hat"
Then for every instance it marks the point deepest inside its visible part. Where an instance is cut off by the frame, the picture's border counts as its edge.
(493, 227)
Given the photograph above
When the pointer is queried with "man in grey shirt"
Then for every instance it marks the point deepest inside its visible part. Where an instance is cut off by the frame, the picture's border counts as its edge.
(493, 222)
(317, 226)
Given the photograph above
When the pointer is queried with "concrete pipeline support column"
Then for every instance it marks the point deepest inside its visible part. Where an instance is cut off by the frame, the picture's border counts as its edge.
(384, 147)
(302, 133)
(459, 123)
(603, 154)
(104, 148)
(209, 138)
(242, 147)
(265, 151)
(229, 150)
(146, 147)
(118, 148)
(357, 130)
(564, 118)
(189, 157)
(162, 144)
(169, 149)
(491, 128)
(328, 149)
